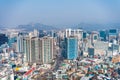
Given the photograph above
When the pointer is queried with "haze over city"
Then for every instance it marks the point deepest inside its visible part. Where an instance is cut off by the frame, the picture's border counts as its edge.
(59, 39)
(62, 12)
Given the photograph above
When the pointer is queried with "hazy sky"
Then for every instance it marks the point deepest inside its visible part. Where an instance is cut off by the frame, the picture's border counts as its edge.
(58, 12)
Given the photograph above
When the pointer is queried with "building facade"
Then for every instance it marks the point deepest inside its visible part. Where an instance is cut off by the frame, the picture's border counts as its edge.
(39, 50)
(72, 47)
(46, 49)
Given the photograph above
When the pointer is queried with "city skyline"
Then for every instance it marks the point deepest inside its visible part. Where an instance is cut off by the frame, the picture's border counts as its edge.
(59, 39)
(63, 12)
(69, 54)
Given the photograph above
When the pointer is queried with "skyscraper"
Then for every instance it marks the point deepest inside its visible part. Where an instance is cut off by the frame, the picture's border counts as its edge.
(31, 50)
(113, 33)
(39, 50)
(103, 35)
(91, 52)
(84, 35)
(11, 41)
(20, 39)
(72, 47)
(76, 32)
(3, 39)
(46, 48)
(27, 49)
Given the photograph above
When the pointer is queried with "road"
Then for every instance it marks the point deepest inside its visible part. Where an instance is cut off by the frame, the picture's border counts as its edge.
(57, 61)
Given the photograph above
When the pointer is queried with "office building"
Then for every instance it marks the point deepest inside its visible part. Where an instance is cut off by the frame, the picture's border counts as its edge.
(91, 52)
(74, 32)
(11, 41)
(103, 35)
(71, 48)
(3, 39)
(84, 35)
(112, 34)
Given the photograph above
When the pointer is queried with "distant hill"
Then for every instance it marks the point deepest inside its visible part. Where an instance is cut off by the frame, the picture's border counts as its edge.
(38, 26)
(84, 26)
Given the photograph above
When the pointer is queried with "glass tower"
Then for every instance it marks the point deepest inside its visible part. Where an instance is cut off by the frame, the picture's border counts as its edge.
(72, 48)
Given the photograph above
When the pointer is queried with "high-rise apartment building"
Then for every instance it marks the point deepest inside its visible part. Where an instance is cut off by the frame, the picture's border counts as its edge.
(20, 46)
(46, 48)
(39, 50)
(31, 50)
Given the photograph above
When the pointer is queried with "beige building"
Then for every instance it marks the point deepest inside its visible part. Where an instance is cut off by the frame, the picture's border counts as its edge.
(101, 47)
(31, 50)
(46, 49)
(38, 50)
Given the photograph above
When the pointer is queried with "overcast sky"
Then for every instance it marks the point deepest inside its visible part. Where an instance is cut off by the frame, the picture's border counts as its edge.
(58, 12)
